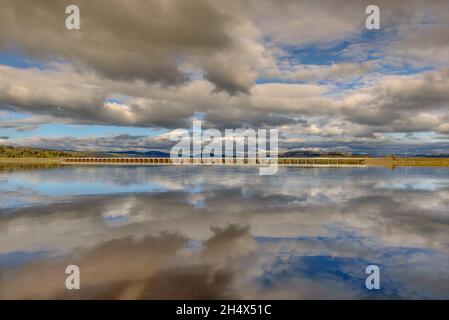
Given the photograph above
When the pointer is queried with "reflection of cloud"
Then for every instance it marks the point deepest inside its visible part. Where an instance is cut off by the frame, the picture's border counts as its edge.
(296, 202)
(350, 216)
(235, 237)
(144, 268)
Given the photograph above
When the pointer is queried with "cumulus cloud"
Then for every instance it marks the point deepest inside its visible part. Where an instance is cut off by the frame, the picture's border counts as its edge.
(402, 103)
(340, 71)
(322, 22)
(393, 104)
(148, 41)
(95, 143)
(137, 69)
(85, 98)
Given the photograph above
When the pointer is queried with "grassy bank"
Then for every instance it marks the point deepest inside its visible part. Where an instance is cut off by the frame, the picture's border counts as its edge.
(30, 160)
(408, 162)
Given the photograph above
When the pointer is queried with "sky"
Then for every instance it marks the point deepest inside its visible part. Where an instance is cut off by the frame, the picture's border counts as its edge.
(137, 70)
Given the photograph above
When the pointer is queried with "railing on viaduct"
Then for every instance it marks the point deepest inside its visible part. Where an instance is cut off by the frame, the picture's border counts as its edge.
(327, 162)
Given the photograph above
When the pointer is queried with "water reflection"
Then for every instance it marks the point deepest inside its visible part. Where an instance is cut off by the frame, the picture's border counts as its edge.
(213, 232)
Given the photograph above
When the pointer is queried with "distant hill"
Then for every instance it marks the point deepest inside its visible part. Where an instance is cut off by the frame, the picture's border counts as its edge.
(314, 154)
(137, 154)
(424, 155)
(27, 152)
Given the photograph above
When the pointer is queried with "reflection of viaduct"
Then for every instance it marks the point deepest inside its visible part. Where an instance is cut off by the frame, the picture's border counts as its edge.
(302, 162)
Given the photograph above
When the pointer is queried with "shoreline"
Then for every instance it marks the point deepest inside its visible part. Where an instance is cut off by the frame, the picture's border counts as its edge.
(368, 162)
(408, 162)
(30, 161)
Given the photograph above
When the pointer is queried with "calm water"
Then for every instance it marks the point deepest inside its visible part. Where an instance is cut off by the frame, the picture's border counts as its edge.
(215, 232)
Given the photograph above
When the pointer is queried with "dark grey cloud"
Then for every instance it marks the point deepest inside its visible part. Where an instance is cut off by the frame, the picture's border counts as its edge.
(149, 40)
(129, 67)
